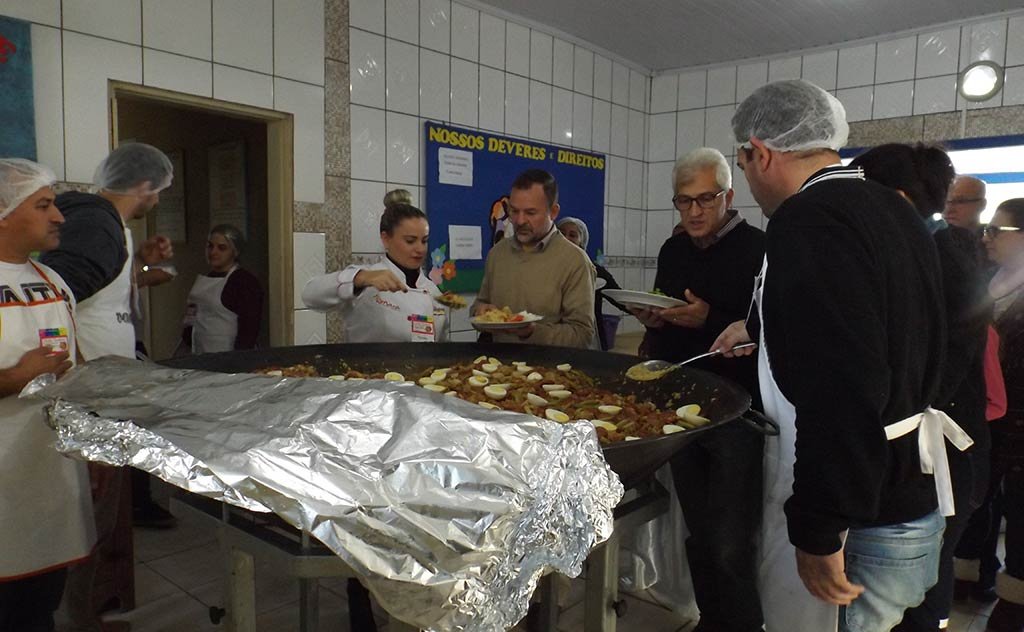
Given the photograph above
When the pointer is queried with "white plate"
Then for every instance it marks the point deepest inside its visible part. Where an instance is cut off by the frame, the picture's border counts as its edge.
(532, 318)
(632, 298)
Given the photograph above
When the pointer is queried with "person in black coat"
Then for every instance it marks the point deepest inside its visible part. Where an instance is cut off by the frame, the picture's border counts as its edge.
(922, 174)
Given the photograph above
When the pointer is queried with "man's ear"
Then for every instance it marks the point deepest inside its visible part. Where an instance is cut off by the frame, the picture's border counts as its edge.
(761, 155)
(555, 208)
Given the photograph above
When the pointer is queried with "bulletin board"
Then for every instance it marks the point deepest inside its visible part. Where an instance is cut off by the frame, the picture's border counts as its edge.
(468, 173)
(17, 106)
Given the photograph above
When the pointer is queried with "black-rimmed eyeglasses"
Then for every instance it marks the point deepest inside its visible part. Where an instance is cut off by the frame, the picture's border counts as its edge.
(992, 232)
(704, 200)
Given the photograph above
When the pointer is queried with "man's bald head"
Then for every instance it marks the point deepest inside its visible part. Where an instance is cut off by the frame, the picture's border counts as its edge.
(965, 202)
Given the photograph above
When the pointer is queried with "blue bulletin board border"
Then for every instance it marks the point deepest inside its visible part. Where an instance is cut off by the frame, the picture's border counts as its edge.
(488, 163)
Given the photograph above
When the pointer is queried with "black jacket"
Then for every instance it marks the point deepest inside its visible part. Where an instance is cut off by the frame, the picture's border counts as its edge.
(854, 321)
(723, 275)
(92, 248)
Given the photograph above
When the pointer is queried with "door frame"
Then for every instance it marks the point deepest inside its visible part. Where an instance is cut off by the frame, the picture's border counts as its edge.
(280, 189)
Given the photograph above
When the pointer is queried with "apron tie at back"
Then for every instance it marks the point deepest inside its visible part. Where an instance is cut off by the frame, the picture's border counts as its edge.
(935, 426)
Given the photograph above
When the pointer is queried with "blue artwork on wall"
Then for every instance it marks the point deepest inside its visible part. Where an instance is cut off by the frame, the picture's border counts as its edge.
(17, 108)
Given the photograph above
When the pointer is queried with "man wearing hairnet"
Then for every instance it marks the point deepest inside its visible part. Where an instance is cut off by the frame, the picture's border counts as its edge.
(849, 316)
(46, 522)
(98, 259)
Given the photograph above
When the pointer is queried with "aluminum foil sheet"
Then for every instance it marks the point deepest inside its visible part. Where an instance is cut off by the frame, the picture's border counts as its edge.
(451, 512)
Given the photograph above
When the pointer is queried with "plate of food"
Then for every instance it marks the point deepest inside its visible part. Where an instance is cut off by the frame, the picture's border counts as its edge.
(504, 318)
(451, 299)
(643, 300)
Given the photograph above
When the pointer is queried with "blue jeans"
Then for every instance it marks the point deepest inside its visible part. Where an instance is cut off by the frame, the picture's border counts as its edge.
(896, 564)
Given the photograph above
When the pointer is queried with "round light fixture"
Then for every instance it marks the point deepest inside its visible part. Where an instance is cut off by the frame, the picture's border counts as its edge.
(980, 81)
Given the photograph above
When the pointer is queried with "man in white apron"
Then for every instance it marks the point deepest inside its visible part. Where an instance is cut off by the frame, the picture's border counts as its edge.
(45, 508)
(850, 319)
(97, 257)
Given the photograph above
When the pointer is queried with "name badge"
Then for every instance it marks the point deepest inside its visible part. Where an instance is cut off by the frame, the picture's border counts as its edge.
(421, 328)
(55, 340)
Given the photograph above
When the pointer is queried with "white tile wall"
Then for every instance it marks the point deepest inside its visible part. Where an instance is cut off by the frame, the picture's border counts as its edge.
(894, 99)
(306, 102)
(750, 77)
(636, 135)
(983, 41)
(638, 90)
(659, 186)
(689, 131)
(1015, 42)
(540, 111)
(174, 72)
(857, 66)
(662, 137)
(366, 68)
(517, 105)
(540, 56)
(492, 99)
(310, 327)
(820, 69)
(1014, 86)
(369, 143)
(718, 133)
(938, 53)
(367, 203)
(602, 78)
(181, 27)
(492, 41)
(309, 255)
(583, 71)
(562, 61)
(88, 63)
(401, 20)
(364, 14)
(664, 92)
(693, 90)
(435, 24)
(243, 86)
(721, 86)
(858, 102)
(620, 130)
(435, 94)
(787, 68)
(935, 94)
(602, 126)
(659, 228)
(615, 235)
(634, 184)
(402, 77)
(620, 84)
(241, 30)
(561, 116)
(299, 40)
(465, 92)
(465, 32)
(616, 177)
(896, 60)
(38, 11)
(634, 238)
(403, 156)
(49, 97)
(582, 121)
(517, 49)
(114, 19)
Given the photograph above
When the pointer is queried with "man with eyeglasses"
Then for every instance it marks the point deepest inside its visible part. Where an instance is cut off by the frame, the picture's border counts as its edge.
(712, 265)
(965, 202)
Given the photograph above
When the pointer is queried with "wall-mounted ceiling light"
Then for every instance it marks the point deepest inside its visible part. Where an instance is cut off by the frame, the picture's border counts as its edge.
(980, 81)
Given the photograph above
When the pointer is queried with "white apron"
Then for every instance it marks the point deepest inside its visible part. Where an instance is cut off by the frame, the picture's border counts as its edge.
(214, 327)
(45, 504)
(105, 318)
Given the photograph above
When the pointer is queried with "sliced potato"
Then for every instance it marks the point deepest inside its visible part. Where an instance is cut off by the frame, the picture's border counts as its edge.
(536, 400)
(394, 376)
(556, 415)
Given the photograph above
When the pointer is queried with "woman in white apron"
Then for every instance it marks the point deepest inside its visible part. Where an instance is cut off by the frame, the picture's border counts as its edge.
(392, 300)
(225, 305)
(46, 519)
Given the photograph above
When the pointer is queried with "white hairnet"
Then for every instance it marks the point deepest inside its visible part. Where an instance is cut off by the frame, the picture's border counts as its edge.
(134, 168)
(19, 180)
(792, 115)
(584, 231)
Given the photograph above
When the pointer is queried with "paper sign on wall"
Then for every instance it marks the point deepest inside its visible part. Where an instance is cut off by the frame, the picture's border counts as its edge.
(464, 242)
(455, 166)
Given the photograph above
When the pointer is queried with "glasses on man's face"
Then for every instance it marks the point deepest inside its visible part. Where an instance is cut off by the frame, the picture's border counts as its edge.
(959, 201)
(704, 200)
(992, 232)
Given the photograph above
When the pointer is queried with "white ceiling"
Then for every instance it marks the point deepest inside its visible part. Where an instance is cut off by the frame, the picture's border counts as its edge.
(665, 34)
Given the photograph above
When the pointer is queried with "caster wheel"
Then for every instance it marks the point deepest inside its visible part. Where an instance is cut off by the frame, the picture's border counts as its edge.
(620, 607)
(217, 614)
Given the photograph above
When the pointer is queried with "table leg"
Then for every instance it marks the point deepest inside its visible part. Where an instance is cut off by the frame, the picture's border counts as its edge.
(241, 592)
(548, 593)
(602, 587)
(309, 605)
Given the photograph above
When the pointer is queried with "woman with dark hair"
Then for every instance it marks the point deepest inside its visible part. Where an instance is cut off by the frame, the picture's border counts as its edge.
(392, 300)
(922, 174)
(225, 305)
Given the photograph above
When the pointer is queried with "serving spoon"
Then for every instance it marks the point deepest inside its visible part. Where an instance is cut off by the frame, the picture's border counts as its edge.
(657, 369)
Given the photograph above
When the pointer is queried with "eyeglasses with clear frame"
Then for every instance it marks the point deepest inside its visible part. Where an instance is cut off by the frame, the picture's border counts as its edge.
(708, 200)
(992, 232)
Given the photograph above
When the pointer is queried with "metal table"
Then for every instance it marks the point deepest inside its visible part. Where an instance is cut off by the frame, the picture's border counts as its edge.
(244, 535)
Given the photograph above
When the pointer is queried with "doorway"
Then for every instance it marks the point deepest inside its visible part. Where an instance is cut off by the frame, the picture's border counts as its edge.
(232, 165)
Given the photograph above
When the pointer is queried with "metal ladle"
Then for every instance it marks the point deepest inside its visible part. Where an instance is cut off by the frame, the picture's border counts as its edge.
(657, 369)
